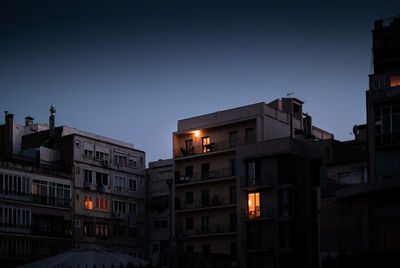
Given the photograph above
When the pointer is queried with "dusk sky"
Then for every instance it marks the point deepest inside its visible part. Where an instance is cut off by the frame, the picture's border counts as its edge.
(129, 70)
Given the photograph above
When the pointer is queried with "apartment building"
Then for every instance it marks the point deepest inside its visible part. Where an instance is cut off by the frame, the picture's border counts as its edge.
(106, 179)
(159, 211)
(207, 185)
(35, 200)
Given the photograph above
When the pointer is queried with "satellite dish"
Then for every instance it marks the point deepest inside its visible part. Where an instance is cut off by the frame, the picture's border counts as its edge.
(356, 130)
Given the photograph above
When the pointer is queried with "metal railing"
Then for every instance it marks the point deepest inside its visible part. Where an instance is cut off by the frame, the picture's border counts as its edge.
(214, 229)
(37, 199)
(206, 176)
(212, 147)
(215, 201)
(255, 182)
(260, 212)
(258, 241)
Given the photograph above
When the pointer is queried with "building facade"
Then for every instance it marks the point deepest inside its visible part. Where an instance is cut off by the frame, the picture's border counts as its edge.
(159, 211)
(209, 200)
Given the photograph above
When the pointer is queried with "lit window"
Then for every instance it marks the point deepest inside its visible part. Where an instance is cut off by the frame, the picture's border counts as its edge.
(395, 81)
(88, 202)
(205, 142)
(253, 205)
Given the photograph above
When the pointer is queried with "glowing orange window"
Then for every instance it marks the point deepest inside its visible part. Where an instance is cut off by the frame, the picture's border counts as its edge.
(84, 230)
(395, 81)
(102, 203)
(90, 203)
(97, 203)
(253, 205)
(85, 201)
(106, 205)
(205, 142)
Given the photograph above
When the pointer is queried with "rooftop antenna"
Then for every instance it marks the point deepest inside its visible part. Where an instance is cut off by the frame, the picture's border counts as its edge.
(289, 93)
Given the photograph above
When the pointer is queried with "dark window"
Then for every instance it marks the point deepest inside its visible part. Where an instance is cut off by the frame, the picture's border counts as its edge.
(251, 172)
(88, 229)
(250, 135)
(232, 167)
(189, 171)
(189, 146)
(101, 178)
(205, 224)
(234, 250)
(233, 139)
(188, 197)
(287, 236)
(189, 223)
(232, 222)
(156, 225)
(88, 176)
(164, 224)
(205, 171)
(232, 194)
(205, 198)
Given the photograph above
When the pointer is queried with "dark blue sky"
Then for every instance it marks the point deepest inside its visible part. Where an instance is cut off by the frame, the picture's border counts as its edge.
(130, 69)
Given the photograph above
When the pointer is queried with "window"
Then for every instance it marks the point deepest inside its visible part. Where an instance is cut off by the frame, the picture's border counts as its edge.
(132, 209)
(101, 204)
(233, 139)
(395, 81)
(188, 172)
(101, 156)
(165, 175)
(232, 167)
(120, 183)
(88, 229)
(156, 247)
(253, 205)
(188, 197)
(189, 223)
(251, 172)
(205, 144)
(189, 146)
(101, 178)
(250, 135)
(101, 230)
(88, 202)
(77, 143)
(88, 176)
(286, 202)
(88, 153)
(205, 198)
(164, 224)
(205, 171)
(205, 224)
(121, 160)
(232, 194)
(387, 124)
(156, 225)
(132, 185)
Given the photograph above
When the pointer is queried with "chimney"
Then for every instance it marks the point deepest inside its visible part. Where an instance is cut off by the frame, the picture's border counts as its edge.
(9, 133)
(52, 121)
(29, 121)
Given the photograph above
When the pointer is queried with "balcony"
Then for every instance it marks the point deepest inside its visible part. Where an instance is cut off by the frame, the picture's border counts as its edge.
(265, 212)
(211, 147)
(37, 199)
(258, 243)
(256, 183)
(212, 230)
(204, 204)
(205, 177)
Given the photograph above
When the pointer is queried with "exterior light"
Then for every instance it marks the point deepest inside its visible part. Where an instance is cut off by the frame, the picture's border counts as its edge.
(197, 133)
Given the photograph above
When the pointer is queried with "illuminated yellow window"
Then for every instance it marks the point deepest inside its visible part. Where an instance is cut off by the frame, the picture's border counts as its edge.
(253, 205)
(395, 81)
(205, 142)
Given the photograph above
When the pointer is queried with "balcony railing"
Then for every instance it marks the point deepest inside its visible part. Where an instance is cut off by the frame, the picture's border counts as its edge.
(211, 147)
(256, 182)
(215, 201)
(37, 199)
(265, 212)
(212, 229)
(258, 242)
(213, 174)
